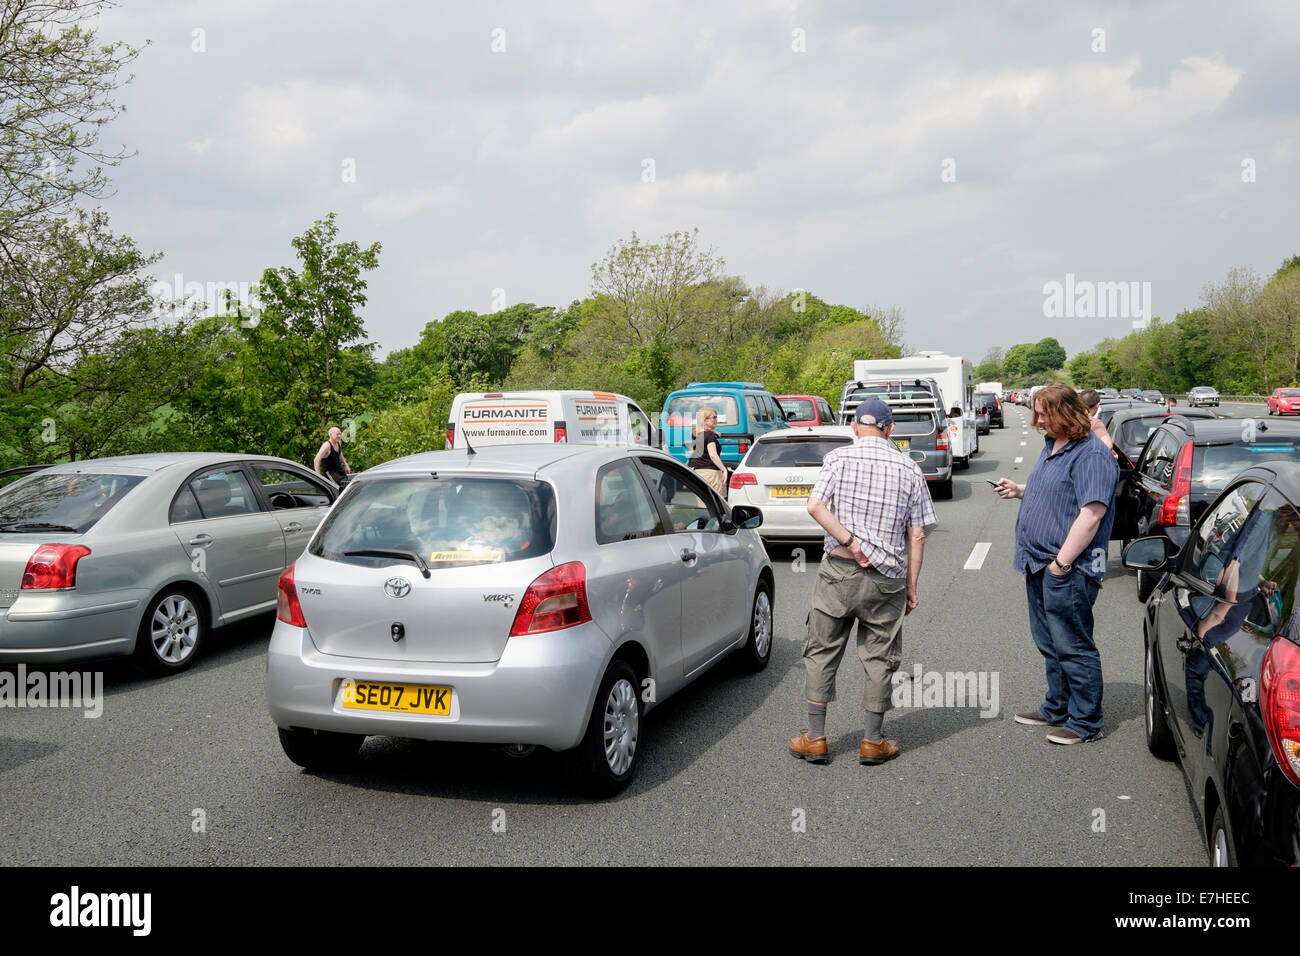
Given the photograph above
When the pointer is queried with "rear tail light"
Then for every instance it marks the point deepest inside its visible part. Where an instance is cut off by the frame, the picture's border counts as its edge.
(742, 446)
(561, 433)
(1174, 509)
(742, 478)
(53, 567)
(287, 608)
(941, 441)
(554, 601)
(1279, 681)
(451, 433)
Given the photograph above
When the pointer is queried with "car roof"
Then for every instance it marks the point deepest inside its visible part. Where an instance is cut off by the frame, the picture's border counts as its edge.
(1147, 410)
(149, 464)
(805, 431)
(515, 460)
(1213, 429)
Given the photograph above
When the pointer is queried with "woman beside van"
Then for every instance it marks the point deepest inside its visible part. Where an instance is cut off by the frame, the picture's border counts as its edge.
(705, 459)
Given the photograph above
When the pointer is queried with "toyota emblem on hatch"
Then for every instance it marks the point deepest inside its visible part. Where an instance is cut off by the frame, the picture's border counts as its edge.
(397, 587)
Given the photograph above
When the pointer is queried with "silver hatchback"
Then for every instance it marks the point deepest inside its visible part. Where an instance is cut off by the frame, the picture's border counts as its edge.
(523, 595)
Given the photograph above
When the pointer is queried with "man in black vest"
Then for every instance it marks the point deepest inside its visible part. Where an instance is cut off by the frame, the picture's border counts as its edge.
(329, 460)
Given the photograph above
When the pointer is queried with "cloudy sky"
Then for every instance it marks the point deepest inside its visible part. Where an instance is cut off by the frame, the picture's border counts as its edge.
(947, 158)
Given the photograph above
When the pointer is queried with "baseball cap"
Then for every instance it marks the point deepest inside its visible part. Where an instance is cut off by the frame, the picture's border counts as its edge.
(874, 412)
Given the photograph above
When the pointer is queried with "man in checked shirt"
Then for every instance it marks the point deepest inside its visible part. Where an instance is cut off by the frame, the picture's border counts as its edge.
(875, 508)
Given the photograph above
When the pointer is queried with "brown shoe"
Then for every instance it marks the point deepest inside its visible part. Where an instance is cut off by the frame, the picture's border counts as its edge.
(814, 751)
(869, 752)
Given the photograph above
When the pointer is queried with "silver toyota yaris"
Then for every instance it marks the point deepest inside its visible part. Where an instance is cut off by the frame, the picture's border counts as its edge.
(532, 594)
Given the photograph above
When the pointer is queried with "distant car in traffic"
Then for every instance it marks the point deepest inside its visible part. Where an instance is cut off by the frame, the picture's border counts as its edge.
(992, 407)
(806, 410)
(1131, 427)
(778, 474)
(1154, 396)
(1221, 675)
(1284, 401)
(1203, 395)
(535, 595)
(145, 554)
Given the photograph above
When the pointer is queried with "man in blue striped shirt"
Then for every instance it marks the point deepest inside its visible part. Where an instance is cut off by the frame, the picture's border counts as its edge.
(1062, 535)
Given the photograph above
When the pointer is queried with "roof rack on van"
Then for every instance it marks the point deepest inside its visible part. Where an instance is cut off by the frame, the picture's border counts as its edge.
(757, 385)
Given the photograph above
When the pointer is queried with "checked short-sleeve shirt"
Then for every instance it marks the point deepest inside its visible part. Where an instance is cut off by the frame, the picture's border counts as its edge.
(877, 493)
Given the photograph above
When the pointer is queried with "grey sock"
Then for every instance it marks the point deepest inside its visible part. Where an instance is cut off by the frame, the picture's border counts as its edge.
(874, 722)
(816, 721)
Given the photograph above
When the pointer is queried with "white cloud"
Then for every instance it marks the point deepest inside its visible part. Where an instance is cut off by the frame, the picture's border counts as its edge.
(390, 207)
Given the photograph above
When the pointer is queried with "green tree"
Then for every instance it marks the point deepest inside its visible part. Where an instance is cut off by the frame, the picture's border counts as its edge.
(1044, 356)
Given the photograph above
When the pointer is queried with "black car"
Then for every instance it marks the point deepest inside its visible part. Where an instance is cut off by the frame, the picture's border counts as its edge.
(1109, 406)
(1185, 464)
(989, 404)
(1131, 427)
(1221, 636)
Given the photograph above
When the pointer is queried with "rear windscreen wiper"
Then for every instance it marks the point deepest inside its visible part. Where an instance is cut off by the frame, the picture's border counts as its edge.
(386, 553)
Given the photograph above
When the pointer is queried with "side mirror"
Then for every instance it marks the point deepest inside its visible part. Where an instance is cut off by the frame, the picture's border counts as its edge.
(746, 517)
(1151, 554)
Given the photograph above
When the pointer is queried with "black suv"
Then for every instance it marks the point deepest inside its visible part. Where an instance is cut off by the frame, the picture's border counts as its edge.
(991, 406)
(1131, 427)
(1221, 637)
(1184, 466)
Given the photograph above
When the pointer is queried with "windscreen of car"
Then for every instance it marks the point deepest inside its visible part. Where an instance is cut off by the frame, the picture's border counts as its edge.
(798, 409)
(1213, 466)
(914, 424)
(682, 408)
(450, 522)
(62, 502)
(806, 451)
(985, 398)
(1290, 392)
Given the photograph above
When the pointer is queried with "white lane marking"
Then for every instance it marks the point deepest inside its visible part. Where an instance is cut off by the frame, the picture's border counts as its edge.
(1019, 460)
(977, 556)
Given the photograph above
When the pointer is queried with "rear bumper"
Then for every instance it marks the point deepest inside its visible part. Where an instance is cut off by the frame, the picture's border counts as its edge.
(58, 627)
(539, 692)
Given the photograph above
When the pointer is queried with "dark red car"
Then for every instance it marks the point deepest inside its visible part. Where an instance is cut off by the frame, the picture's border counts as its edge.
(806, 410)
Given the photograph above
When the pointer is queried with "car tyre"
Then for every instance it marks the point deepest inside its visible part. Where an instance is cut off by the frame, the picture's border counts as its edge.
(753, 657)
(607, 755)
(171, 633)
(1159, 739)
(1220, 845)
(319, 749)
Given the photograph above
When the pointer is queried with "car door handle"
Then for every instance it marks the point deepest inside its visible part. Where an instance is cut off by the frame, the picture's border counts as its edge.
(688, 555)
(293, 526)
(201, 540)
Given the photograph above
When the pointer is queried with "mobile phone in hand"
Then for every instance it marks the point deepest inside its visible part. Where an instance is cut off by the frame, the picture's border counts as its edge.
(993, 483)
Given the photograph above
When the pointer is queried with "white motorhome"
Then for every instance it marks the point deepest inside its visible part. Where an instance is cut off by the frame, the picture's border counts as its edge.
(521, 418)
(956, 379)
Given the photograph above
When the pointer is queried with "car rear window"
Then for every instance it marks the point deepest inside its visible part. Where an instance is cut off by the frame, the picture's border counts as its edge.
(1213, 466)
(914, 424)
(798, 410)
(1136, 431)
(450, 521)
(905, 392)
(806, 451)
(682, 408)
(62, 502)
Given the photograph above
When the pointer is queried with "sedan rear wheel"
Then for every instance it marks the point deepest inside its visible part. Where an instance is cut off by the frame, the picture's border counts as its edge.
(607, 756)
(170, 634)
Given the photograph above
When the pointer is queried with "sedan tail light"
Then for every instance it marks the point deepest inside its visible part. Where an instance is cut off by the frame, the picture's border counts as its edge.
(53, 567)
(1279, 681)
(742, 478)
(287, 608)
(554, 601)
(1174, 509)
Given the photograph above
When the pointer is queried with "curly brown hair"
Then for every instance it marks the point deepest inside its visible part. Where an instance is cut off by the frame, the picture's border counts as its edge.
(1064, 415)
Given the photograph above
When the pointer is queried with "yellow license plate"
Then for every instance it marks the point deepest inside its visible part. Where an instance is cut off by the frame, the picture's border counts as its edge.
(399, 698)
(791, 491)
(901, 443)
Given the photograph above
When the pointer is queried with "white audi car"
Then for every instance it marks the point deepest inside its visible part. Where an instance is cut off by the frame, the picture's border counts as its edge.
(778, 473)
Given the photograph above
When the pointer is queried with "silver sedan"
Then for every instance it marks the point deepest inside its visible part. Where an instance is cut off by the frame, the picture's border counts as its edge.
(522, 595)
(144, 554)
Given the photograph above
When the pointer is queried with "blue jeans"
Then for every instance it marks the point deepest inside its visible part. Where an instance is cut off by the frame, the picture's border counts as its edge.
(1060, 618)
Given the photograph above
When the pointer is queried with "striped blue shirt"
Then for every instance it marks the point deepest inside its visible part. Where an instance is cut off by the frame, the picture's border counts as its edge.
(1056, 491)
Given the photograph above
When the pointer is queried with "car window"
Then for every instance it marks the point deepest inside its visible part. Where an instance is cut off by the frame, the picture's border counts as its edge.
(288, 489)
(1158, 463)
(1221, 534)
(754, 409)
(771, 409)
(1213, 466)
(449, 521)
(1136, 431)
(639, 424)
(798, 409)
(805, 451)
(914, 424)
(50, 502)
(185, 507)
(1274, 602)
(223, 492)
(825, 409)
(681, 409)
(624, 508)
(691, 505)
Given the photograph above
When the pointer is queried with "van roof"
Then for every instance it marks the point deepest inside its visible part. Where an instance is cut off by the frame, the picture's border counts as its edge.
(758, 386)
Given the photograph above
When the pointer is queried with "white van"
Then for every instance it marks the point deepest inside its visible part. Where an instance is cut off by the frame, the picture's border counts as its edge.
(521, 418)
